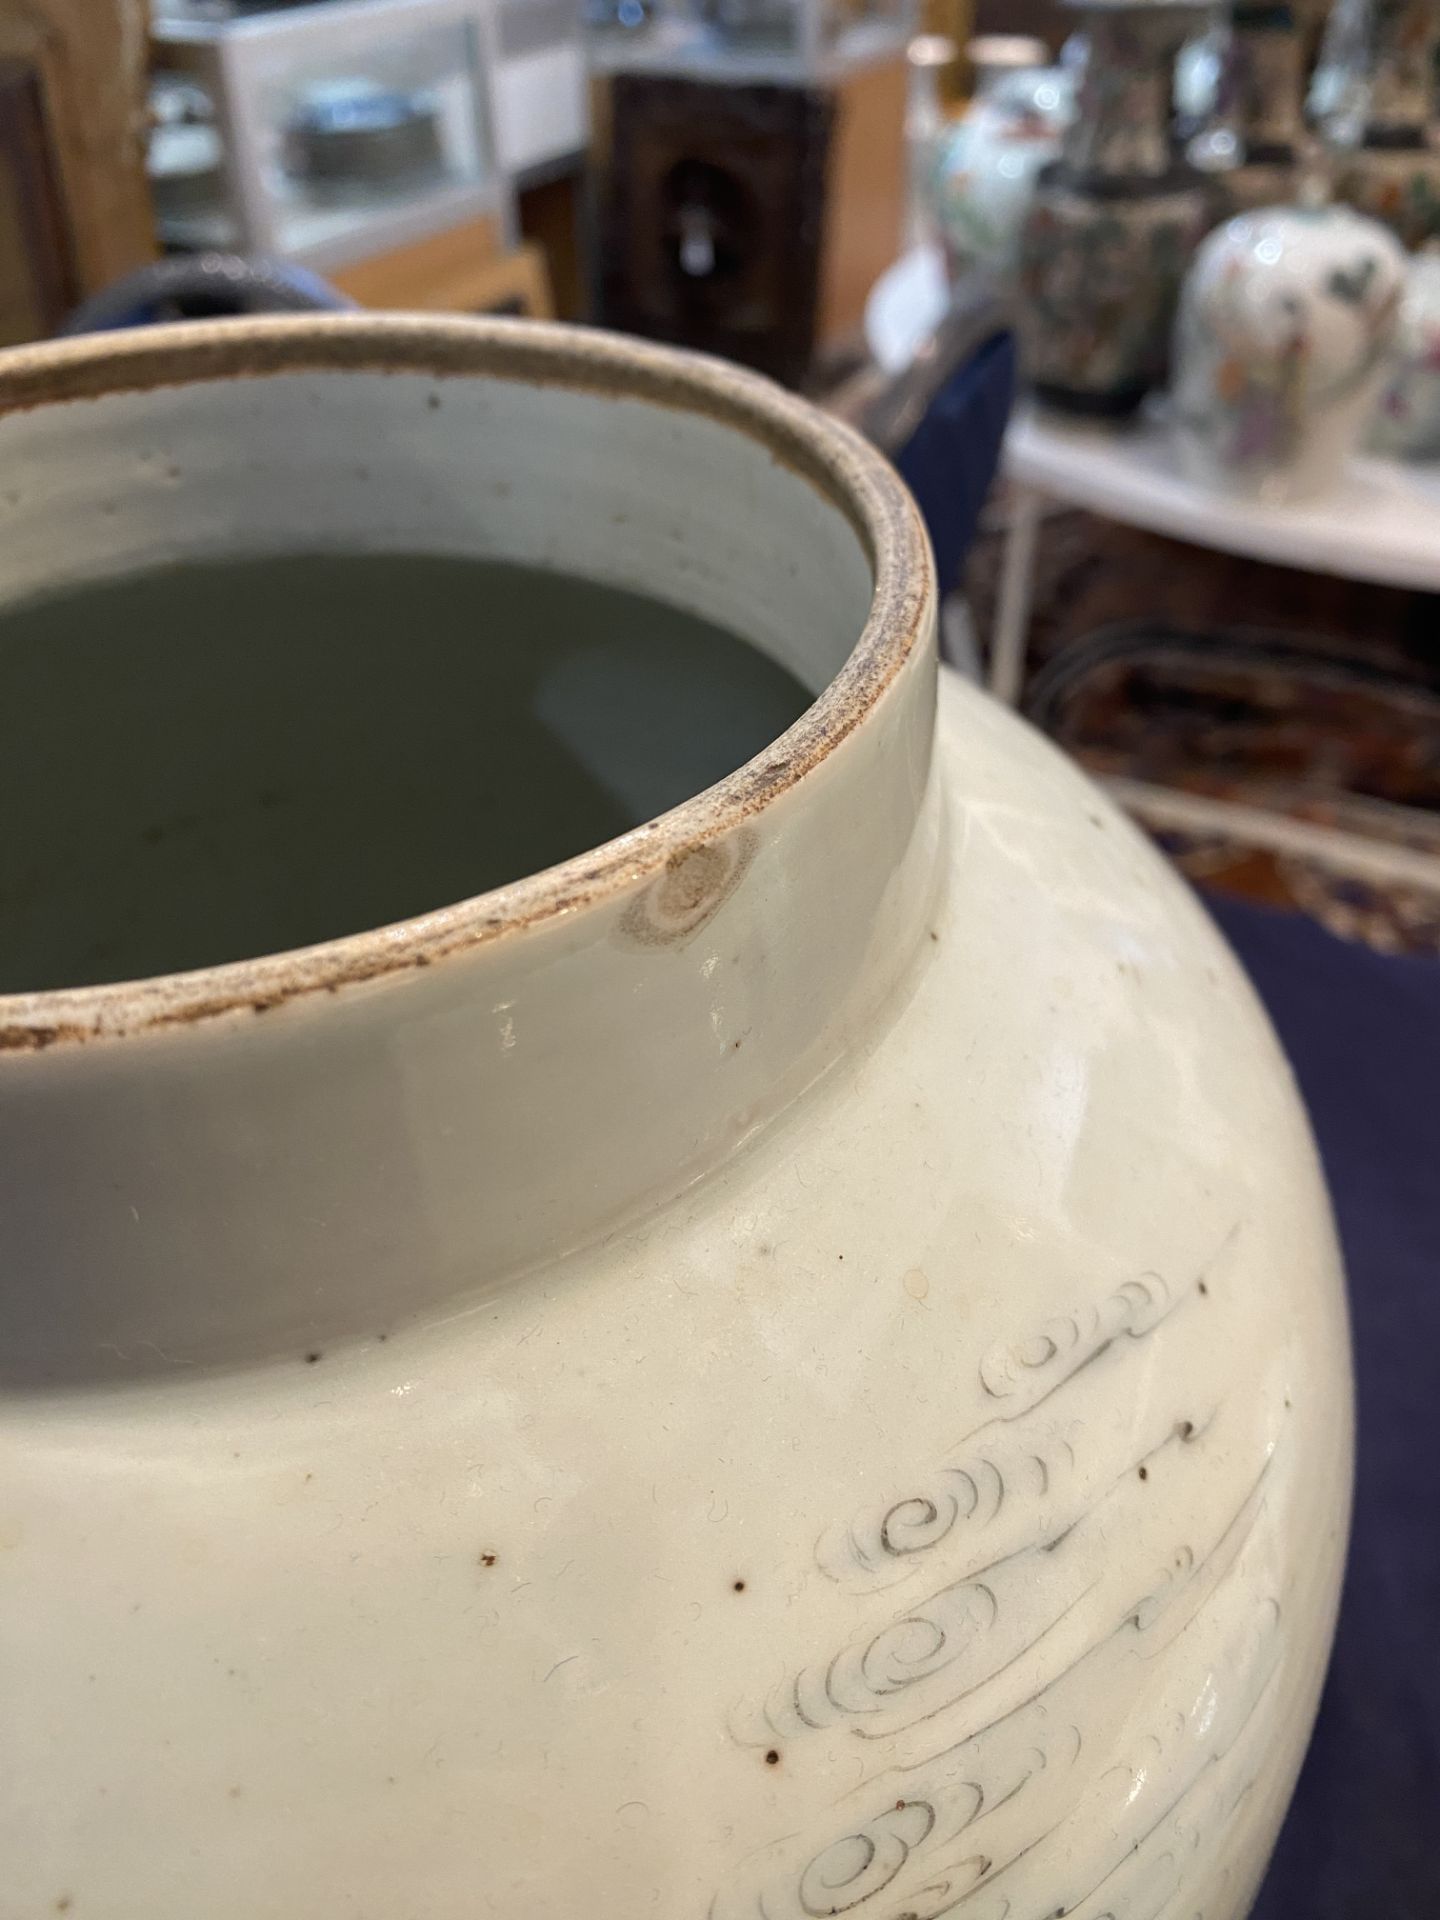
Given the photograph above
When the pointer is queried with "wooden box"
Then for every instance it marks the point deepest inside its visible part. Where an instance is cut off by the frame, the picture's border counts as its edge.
(751, 219)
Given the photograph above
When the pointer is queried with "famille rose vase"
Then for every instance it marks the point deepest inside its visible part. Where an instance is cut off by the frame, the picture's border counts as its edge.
(1284, 335)
(1112, 222)
(1392, 172)
(791, 1365)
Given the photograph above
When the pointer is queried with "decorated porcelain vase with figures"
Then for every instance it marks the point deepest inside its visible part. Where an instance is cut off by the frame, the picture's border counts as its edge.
(1407, 421)
(1113, 222)
(1392, 171)
(790, 1364)
(1285, 330)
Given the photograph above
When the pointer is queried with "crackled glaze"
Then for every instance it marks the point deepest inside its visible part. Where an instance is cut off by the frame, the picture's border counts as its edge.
(796, 1366)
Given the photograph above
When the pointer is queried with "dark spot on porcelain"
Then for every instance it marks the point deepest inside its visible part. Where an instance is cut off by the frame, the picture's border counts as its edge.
(739, 1586)
(1203, 1288)
(313, 1357)
(1144, 1473)
(695, 885)
(489, 1559)
(772, 1758)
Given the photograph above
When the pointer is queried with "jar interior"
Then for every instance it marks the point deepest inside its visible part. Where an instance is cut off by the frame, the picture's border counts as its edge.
(292, 657)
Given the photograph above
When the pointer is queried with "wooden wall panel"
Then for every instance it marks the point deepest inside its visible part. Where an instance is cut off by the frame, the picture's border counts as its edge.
(90, 56)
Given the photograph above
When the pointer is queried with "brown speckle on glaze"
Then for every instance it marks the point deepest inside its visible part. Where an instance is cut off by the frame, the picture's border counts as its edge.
(695, 885)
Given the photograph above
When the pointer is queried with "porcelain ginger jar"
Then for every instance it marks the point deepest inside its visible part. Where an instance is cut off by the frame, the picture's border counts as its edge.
(792, 1365)
(1285, 328)
(988, 163)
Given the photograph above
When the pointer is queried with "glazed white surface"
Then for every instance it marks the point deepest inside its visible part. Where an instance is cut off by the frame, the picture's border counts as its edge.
(448, 1624)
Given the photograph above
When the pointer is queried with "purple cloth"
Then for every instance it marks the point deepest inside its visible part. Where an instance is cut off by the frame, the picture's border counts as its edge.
(1362, 1029)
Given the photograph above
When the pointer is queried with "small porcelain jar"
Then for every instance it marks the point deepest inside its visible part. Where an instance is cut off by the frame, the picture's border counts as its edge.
(989, 161)
(1408, 421)
(1286, 323)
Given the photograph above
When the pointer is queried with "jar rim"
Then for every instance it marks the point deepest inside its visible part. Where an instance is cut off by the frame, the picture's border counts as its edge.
(844, 468)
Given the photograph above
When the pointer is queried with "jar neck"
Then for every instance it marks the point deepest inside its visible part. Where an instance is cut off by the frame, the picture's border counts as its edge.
(267, 1158)
(1122, 123)
(1402, 72)
(1270, 82)
(353, 1161)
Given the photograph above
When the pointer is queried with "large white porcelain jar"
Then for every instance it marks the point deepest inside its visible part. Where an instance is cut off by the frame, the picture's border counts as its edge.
(792, 1365)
